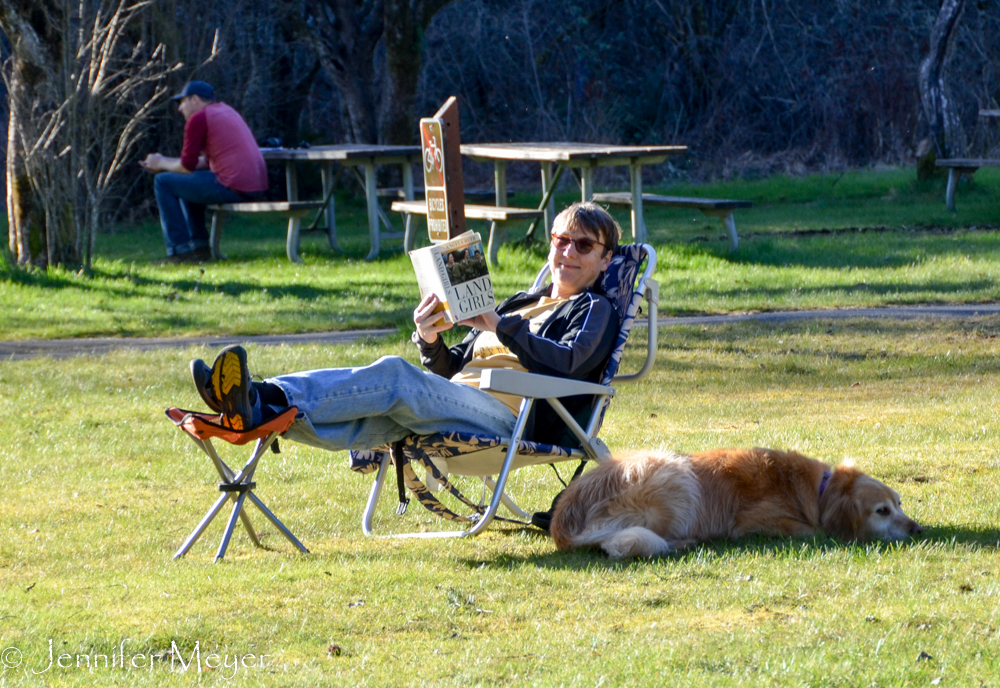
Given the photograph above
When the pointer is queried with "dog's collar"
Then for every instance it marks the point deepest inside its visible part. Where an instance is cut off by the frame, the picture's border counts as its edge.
(824, 482)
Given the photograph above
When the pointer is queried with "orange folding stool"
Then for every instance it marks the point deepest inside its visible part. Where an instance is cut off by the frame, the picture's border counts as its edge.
(238, 486)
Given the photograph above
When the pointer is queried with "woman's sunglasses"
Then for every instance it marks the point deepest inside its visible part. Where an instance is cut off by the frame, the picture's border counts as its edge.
(584, 245)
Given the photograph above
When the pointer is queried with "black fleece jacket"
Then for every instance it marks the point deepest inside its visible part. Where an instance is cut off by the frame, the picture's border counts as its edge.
(574, 342)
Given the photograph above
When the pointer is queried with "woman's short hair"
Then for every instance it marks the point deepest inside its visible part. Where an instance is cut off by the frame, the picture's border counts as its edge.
(593, 219)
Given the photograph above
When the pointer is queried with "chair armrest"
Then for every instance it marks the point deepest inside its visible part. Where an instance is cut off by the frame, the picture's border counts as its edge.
(538, 386)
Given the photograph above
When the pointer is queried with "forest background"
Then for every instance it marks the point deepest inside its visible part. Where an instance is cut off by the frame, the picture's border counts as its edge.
(753, 87)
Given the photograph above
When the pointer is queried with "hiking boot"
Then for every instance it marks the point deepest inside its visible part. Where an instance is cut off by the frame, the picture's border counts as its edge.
(202, 376)
(230, 383)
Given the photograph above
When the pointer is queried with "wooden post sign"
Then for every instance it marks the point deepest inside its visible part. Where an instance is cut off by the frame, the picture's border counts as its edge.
(443, 187)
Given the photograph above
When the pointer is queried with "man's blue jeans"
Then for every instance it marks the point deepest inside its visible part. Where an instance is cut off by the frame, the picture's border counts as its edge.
(181, 199)
(363, 408)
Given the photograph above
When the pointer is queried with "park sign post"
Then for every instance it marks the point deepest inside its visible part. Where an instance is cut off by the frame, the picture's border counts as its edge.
(443, 187)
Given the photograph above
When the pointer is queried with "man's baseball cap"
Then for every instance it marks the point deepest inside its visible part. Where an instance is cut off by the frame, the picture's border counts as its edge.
(196, 88)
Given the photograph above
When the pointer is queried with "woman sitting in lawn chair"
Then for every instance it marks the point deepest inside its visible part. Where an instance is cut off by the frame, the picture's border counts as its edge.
(564, 329)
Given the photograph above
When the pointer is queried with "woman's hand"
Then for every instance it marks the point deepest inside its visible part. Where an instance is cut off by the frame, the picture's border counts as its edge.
(484, 322)
(429, 323)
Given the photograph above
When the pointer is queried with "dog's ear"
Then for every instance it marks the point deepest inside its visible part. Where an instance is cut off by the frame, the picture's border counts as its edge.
(840, 512)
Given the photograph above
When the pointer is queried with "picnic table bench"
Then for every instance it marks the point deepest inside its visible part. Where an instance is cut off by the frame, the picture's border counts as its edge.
(497, 216)
(470, 194)
(712, 207)
(959, 166)
(956, 168)
(293, 210)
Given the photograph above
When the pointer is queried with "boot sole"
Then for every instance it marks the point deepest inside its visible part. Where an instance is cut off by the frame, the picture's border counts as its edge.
(230, 382)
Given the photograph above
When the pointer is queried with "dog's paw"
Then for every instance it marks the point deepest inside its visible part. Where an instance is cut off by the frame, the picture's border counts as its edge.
(635, 542)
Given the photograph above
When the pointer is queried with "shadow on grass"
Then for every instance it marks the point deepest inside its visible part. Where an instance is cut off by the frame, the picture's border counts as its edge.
(969, 537)
(858, 247)
(116, 282)
(753, 350)
(858, 288)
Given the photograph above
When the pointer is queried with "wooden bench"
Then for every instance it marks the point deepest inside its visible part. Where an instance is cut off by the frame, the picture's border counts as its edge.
(294, 211)
(956, 168)
(709, 206)
(399, 192)
(495, 215)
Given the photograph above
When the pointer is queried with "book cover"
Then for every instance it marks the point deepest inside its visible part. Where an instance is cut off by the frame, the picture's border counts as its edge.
(457, 272)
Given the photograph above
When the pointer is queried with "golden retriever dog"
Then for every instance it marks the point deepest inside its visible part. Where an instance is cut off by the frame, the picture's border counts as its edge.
(652, 503)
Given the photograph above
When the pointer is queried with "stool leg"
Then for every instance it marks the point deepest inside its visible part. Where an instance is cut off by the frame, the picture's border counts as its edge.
(277, 524)
(196, 533)
(245, 519)
(245, 477)
(230, 526)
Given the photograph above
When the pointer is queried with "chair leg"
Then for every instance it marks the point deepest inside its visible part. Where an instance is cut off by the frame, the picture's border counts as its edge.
(507, 501)
(501, 480)
(374, 495)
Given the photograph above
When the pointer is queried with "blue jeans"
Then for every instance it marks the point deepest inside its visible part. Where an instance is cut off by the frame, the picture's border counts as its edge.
(181, 199)
(363, 408)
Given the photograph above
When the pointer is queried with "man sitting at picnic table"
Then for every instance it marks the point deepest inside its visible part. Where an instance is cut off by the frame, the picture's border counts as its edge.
(567, 329)
(220, 163)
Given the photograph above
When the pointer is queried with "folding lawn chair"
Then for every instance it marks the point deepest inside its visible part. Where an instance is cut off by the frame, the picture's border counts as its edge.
(450, 453)
(236, 486)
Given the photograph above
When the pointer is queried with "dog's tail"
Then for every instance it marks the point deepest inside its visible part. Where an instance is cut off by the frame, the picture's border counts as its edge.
(584, 502)
(635, 541)
(625, 505)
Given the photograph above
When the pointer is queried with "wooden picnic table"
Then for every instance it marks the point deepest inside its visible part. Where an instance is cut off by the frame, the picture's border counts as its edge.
(583, 158)
(354, 156)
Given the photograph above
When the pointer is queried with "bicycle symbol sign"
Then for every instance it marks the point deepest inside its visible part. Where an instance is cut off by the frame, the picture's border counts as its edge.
(432, 142)
(432, 157)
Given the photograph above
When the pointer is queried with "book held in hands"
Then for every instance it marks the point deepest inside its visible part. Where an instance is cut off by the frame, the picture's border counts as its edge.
(457, 273)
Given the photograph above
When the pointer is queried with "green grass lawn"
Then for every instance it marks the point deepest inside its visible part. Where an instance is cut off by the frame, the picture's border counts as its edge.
(864, 238)
(99, 489)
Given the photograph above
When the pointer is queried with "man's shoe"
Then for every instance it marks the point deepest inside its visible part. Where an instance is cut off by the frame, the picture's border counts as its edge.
(202, 376)
(199, 255)
(230, 384)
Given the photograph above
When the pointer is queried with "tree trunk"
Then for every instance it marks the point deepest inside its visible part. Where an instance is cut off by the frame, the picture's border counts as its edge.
(939, 111)
(405, 23)
(81, 87)
(39, 227)
(343, 34)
